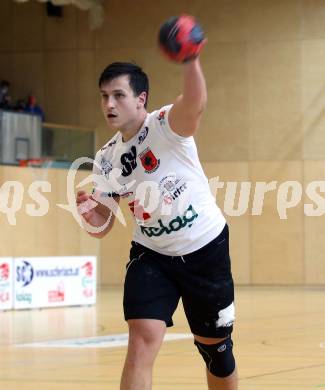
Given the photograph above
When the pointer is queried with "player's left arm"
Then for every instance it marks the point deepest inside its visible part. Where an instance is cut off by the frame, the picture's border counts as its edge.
(185, 114)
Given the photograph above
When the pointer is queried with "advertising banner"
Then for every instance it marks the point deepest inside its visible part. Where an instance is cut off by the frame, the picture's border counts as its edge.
(54, 281)
(6, 283)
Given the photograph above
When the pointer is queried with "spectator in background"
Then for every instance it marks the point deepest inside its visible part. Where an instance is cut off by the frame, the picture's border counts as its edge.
(33, 108)
(20, 105)
(5, 98)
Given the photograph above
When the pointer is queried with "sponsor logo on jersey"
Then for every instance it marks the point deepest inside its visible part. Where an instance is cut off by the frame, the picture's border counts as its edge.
(109, 194)
(113, 194)
(161, 117)
(108, 145)
(149, 161)
(111, 143)
(171, 188)
(105, 167)
(124, 191)
(129, 161)
(143, 135)
(126, 194)
(176, 224)
(138, 211)
(178, 191)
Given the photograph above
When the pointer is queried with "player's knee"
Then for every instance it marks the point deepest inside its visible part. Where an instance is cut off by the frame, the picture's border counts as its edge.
(145, 337)
(146, 331)
(218, 358)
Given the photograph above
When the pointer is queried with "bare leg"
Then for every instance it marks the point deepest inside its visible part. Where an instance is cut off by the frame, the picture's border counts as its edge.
(215, 383)
(145, 338)
(228, 383)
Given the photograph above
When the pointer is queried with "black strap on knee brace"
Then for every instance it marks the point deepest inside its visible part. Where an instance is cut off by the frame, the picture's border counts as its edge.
(218, 358)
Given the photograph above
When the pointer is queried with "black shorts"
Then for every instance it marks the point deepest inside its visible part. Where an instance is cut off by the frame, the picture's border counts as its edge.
(154, 283)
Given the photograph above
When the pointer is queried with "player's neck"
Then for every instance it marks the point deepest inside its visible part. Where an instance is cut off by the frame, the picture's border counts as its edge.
(132, 128)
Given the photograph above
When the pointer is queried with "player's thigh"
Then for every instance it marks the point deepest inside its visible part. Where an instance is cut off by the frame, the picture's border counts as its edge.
(208, 296)
(148, 291)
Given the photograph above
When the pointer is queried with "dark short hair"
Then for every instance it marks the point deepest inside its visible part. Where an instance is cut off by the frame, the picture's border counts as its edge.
(138, 80)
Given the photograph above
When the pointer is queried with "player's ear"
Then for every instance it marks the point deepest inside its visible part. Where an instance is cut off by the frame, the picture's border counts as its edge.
(142, 98)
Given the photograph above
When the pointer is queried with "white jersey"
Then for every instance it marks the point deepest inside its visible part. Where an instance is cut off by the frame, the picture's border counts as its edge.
(160, 175)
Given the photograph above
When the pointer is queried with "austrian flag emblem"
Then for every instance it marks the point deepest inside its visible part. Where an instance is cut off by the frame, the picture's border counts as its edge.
(149, 161)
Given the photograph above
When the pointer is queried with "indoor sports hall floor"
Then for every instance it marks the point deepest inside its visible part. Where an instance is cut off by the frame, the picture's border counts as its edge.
(279, 343)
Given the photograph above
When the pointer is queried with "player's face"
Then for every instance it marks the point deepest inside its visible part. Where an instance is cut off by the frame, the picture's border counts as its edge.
(120, 106)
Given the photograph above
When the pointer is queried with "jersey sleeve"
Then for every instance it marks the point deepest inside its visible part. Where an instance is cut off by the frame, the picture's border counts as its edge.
(101, 183)
(96, 175)
(163, 126)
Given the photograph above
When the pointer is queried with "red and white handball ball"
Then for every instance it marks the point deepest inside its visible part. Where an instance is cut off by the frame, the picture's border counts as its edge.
(181, 38)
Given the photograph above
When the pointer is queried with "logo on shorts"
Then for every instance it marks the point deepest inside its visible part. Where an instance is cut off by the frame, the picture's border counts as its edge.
(149, 161)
